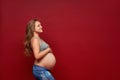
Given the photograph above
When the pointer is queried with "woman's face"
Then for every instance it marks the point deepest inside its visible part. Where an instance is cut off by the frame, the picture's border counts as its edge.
(38, 27)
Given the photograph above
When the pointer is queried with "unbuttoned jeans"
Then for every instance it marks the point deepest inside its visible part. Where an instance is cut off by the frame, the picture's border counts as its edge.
(41, 73)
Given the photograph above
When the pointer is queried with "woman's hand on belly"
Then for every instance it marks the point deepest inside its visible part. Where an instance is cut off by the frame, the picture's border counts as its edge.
(50, 51)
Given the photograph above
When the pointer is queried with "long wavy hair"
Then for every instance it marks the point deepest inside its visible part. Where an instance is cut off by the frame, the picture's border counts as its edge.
(29, 34)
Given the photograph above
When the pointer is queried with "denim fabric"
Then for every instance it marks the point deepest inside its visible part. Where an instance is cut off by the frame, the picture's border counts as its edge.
(41, 73)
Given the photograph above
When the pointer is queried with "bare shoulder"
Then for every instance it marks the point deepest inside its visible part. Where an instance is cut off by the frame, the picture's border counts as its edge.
(35, 41)
(35, 46)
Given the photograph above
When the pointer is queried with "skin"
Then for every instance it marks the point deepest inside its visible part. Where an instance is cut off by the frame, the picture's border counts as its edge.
(43, 58)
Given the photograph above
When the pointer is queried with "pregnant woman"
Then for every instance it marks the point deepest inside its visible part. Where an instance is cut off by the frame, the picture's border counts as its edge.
(44, 58)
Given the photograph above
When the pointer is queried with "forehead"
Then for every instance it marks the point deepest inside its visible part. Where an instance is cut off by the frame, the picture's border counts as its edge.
(37, 23)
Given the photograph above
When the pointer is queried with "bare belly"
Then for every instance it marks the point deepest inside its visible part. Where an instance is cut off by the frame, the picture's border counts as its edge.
(48, 61)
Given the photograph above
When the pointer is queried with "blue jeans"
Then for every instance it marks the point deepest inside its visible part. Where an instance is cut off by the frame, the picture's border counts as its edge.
(41, 73)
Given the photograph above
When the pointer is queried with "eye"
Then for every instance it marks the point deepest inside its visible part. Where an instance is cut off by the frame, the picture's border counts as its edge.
(38, 25)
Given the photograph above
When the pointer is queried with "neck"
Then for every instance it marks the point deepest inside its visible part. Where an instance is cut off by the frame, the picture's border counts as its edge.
(36, 34)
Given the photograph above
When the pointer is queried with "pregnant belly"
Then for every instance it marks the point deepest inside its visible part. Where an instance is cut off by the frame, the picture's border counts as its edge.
(48, 61)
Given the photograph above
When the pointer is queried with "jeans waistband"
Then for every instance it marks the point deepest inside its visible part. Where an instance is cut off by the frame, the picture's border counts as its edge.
(37, 67)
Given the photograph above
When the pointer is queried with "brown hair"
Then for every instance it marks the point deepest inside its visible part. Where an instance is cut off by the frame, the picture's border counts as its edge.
(29, 34)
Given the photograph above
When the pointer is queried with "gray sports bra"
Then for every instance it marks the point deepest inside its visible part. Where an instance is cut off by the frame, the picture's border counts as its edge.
(43, 44)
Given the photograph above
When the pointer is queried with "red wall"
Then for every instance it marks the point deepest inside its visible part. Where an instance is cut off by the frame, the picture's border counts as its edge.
(84, 36)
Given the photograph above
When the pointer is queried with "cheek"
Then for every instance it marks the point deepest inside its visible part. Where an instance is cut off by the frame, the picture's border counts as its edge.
(36, 29)
(39, 29)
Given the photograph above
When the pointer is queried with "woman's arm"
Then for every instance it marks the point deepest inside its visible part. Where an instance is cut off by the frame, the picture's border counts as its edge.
(36, 49)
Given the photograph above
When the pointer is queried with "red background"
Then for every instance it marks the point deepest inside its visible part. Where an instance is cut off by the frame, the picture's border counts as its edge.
(84, 36)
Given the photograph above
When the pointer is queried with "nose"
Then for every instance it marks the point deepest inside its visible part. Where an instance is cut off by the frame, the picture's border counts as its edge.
(41, 26)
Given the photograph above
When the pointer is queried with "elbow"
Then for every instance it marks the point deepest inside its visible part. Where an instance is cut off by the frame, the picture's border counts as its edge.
(36, 57)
